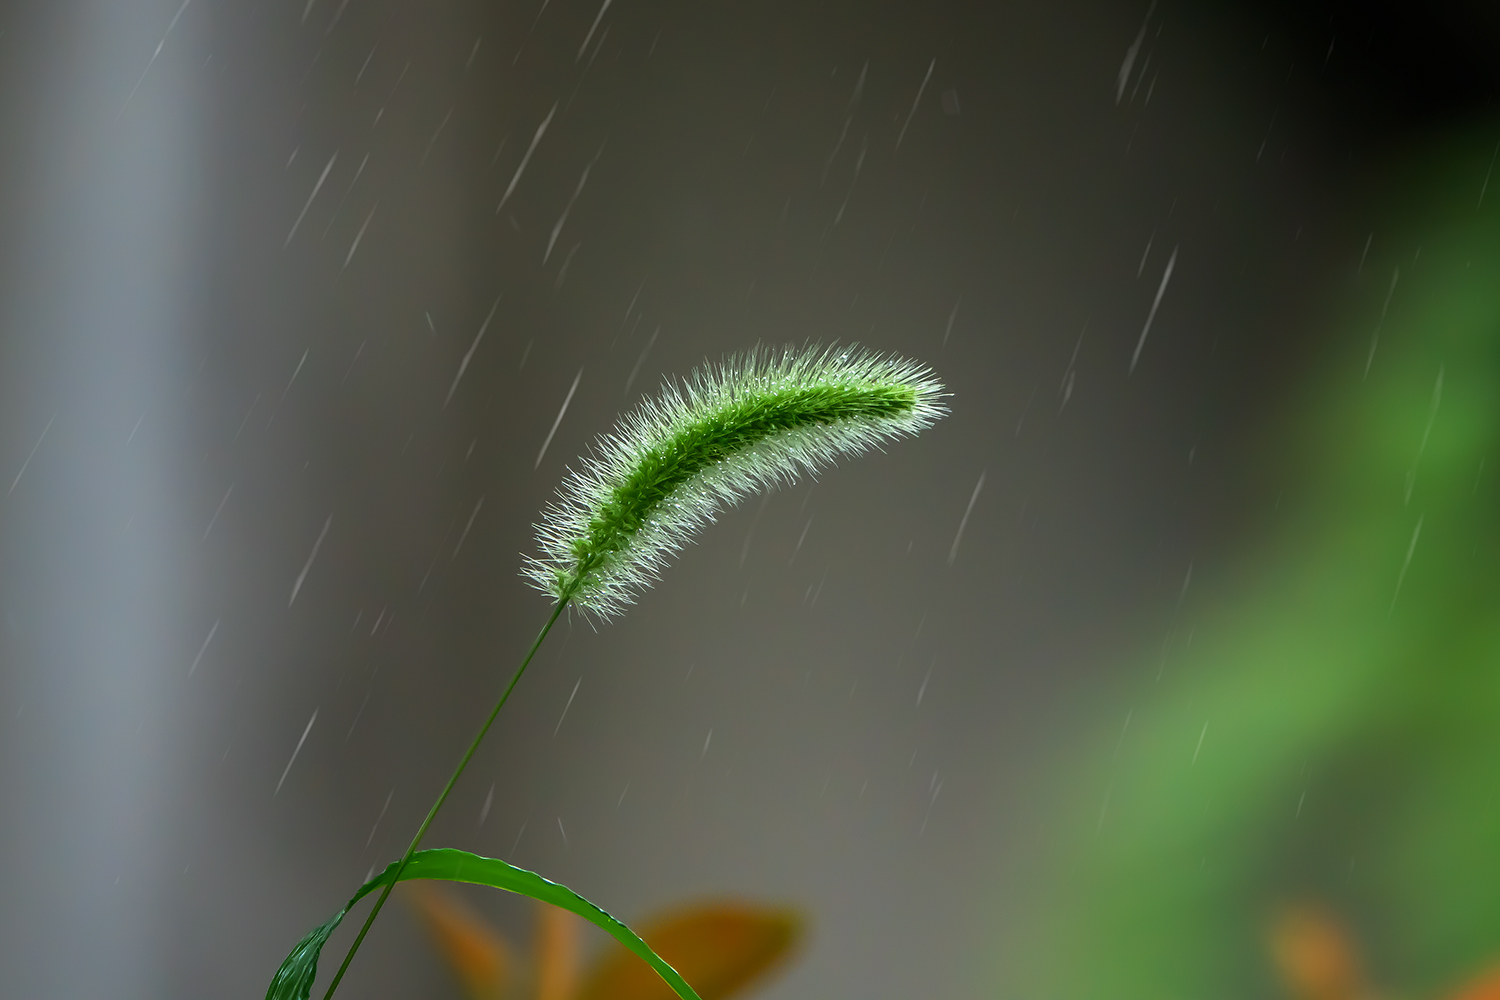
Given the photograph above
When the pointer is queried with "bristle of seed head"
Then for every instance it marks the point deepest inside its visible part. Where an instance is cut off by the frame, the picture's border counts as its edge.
(755, 421)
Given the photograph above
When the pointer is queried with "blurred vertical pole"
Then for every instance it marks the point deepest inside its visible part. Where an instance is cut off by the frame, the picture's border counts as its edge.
(97, 198)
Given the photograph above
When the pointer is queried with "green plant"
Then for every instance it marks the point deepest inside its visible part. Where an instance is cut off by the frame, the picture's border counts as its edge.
(755, 421)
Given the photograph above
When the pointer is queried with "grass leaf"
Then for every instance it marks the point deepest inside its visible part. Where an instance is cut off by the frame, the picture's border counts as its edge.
(293, 981)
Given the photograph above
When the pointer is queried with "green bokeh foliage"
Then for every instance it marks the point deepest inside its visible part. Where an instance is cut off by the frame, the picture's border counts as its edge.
(1316, 678)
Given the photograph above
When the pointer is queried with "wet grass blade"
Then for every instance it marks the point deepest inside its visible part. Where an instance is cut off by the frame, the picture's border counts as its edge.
(294, 980)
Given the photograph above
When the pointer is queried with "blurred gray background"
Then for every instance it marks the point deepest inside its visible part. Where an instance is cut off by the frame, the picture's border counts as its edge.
(275, 373)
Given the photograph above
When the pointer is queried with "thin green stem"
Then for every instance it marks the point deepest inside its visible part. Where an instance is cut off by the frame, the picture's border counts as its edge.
(422, 830)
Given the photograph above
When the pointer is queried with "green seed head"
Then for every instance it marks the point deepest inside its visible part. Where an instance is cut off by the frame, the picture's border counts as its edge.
(756, 421)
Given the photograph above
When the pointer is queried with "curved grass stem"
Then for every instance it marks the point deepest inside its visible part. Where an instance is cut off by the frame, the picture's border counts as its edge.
(422, 830)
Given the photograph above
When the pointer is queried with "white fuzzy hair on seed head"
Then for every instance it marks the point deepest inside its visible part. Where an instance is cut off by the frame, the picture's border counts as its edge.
(755, 421)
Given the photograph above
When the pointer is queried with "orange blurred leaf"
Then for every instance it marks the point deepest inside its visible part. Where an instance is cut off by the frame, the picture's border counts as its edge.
(1315, 955)
(557, 953)
(477, 952)
(1485, 987)
(720, 948)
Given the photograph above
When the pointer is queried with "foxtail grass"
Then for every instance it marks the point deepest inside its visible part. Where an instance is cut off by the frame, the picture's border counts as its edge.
(755, 422)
